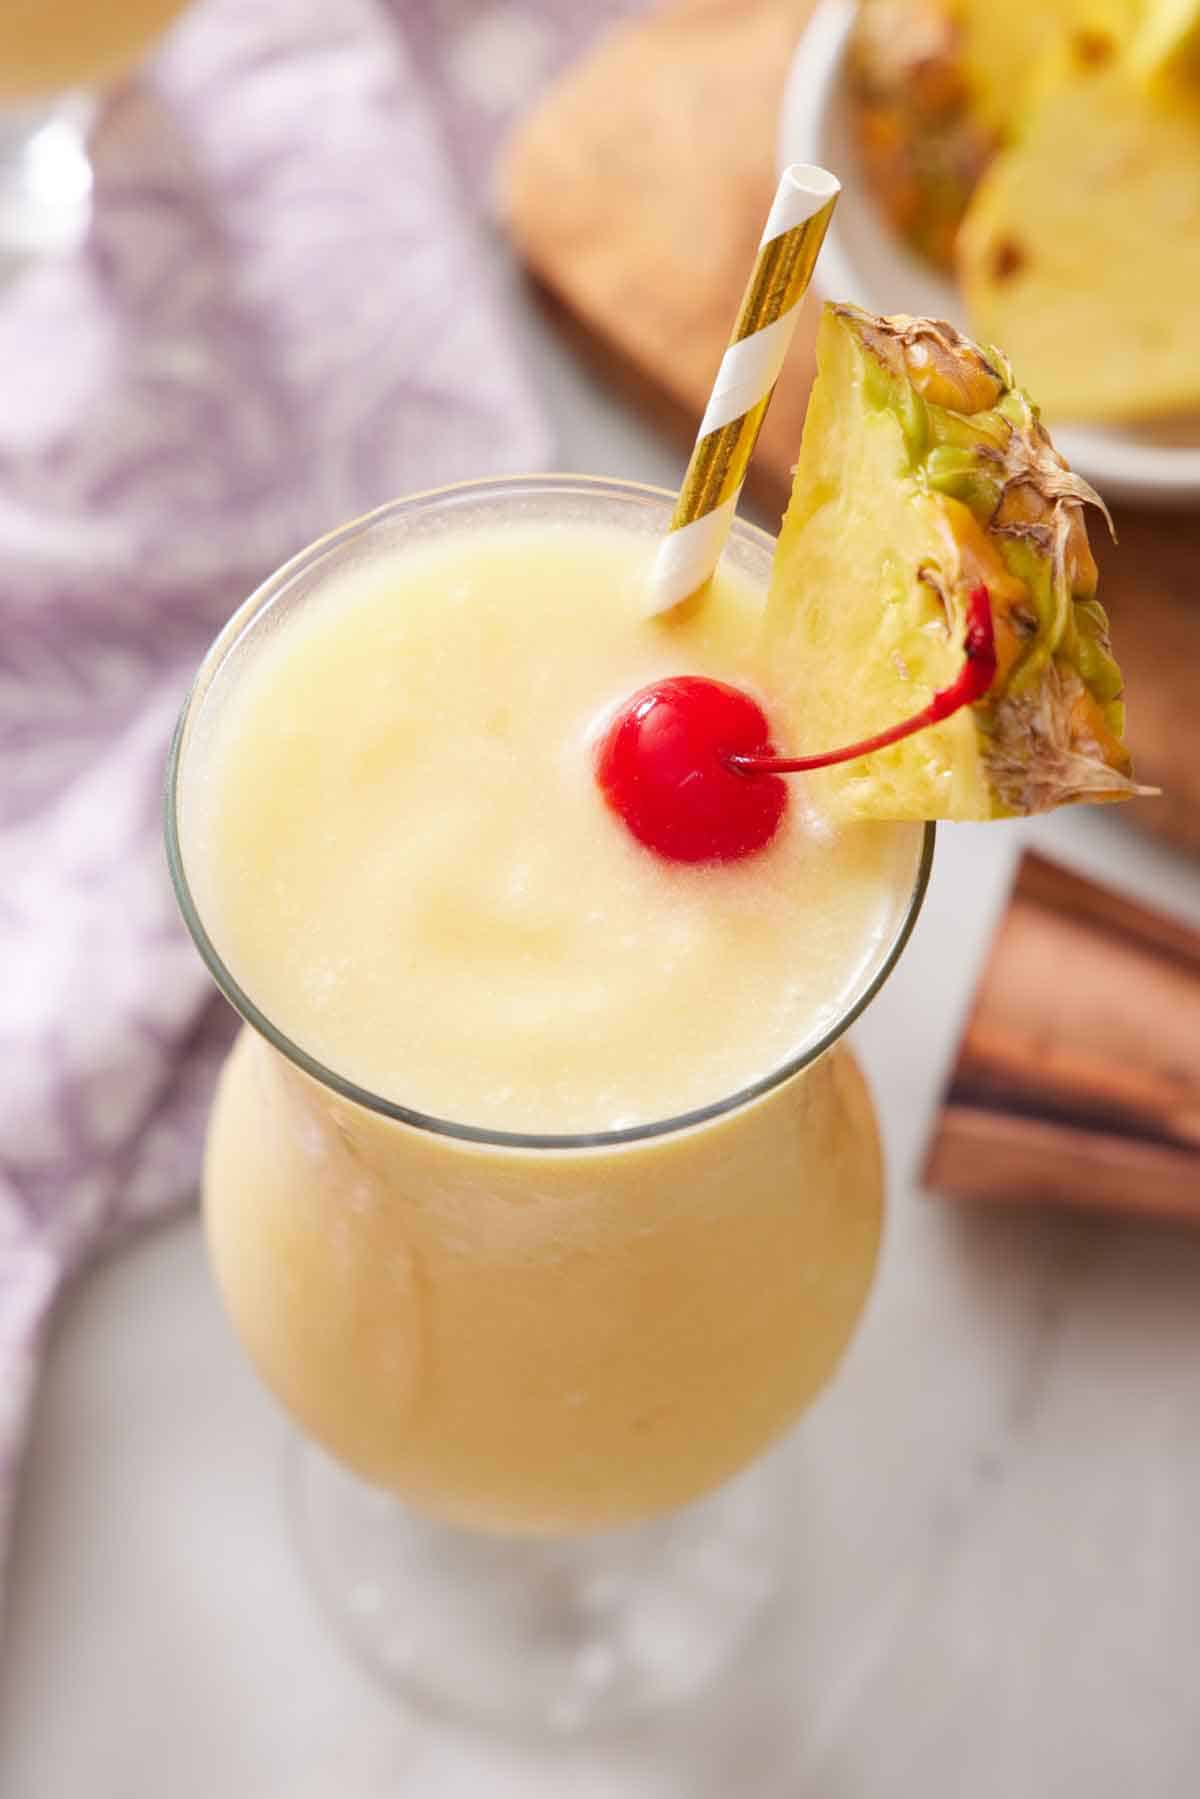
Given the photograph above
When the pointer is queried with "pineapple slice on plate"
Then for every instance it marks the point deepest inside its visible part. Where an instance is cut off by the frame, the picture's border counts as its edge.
(923, 474)
(934, 86)
(1080, 251)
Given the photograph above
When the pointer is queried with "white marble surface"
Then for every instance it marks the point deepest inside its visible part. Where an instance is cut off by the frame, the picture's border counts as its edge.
(991, 1529)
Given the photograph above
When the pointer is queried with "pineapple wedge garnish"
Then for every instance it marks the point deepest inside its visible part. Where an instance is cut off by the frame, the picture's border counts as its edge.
(923, 473)
(1080, 251)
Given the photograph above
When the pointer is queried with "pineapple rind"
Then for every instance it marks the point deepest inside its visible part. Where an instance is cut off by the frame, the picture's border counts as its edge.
(923, 145)
(977, 492)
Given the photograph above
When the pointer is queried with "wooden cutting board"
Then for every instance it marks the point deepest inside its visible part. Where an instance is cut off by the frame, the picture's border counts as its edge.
(636, 192)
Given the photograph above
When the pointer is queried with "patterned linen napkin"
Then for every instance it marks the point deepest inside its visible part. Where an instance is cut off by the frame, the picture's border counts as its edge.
(282, 318)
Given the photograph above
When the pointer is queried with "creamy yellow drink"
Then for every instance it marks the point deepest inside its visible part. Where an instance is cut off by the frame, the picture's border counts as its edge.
(393, 837)
(49, 45)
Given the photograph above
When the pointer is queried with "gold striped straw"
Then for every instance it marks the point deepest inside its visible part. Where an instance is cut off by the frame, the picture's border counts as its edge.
(791, 241)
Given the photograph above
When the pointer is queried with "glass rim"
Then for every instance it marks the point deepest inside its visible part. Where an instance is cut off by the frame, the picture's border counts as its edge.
(244, 616)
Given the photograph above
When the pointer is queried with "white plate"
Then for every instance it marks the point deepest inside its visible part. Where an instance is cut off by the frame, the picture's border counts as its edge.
(864, 263)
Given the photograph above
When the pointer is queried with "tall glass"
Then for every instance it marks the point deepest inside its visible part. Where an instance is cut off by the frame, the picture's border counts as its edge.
(514, 1350)
(54, 55)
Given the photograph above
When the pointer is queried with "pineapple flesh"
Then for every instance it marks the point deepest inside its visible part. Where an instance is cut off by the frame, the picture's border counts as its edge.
(924, 471)
(1080, 252)
(1167, 47)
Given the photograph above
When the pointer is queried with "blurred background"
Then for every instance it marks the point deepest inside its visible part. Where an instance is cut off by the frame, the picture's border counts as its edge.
(267, 263)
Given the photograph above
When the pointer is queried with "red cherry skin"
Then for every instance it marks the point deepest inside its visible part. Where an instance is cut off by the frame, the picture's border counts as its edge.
(661, 767)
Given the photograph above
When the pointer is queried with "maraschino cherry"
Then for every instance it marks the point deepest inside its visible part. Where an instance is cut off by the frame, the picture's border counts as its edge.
(661, 768)
(688, 763)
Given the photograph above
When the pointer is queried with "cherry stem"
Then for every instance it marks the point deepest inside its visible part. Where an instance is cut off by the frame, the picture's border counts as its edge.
(972, 682)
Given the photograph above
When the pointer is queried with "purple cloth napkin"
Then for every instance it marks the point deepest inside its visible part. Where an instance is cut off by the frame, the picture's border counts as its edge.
(282, 318)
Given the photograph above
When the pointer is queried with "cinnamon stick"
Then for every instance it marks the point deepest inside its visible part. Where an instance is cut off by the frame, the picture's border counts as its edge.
(1077, 1080)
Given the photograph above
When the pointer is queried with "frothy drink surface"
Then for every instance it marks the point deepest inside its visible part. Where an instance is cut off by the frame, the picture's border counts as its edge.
(399, 847)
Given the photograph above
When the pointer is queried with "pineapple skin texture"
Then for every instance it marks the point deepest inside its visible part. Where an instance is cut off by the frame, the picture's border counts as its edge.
(1080, 251)
(922, 141)
(922, 472)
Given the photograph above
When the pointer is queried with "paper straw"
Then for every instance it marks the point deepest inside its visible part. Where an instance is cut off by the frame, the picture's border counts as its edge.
(787, 251)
